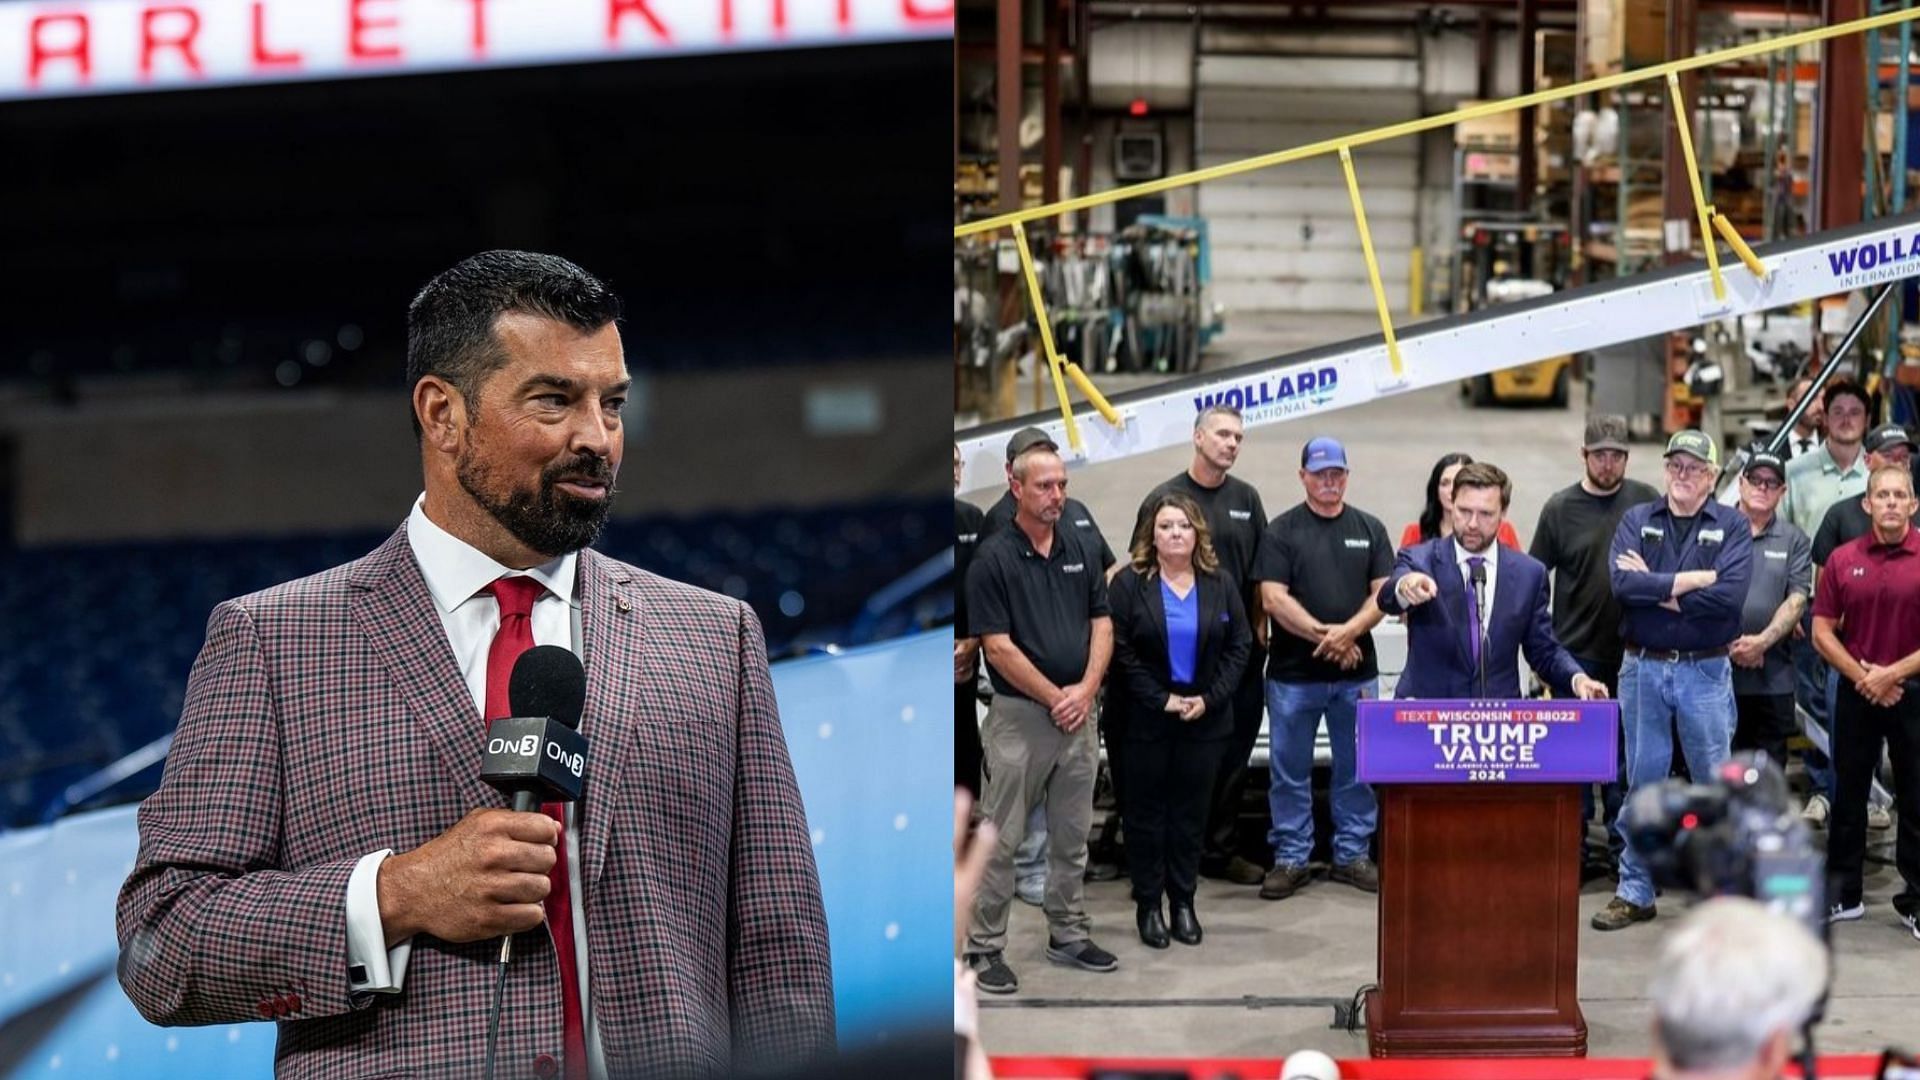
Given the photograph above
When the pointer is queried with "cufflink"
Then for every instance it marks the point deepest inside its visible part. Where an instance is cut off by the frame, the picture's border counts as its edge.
(356, 974)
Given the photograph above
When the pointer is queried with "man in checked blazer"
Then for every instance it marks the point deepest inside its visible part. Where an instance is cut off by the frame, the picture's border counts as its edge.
(321, 851)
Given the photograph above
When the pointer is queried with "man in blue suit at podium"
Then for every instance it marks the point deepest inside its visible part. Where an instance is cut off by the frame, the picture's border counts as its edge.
(1472, 606)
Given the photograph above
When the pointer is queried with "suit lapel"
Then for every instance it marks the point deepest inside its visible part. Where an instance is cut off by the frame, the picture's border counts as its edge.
(612, 633)
(1455, 609)
(396, 612)
(1157, 612)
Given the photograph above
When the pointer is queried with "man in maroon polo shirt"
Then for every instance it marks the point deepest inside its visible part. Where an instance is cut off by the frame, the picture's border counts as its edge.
(1863, 627)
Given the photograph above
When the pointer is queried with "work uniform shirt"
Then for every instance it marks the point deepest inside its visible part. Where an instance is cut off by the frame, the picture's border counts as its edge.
(1329, 566)
(1074, 516)
(1872, 589)
(1718, 539)
(1235, 520)
(968, 520)
(1045, 603)
(1782, 566)
(1815, 483)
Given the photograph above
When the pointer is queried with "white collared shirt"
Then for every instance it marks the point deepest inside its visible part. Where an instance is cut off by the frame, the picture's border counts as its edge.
(457, 575)
(1491, 556)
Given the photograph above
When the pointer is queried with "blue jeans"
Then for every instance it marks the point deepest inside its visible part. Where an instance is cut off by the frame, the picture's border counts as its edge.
(1293, 712)
(1652, 693)
(1813, 688)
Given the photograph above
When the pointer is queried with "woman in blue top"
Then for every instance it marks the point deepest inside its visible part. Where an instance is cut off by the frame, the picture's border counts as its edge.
(1180, 641)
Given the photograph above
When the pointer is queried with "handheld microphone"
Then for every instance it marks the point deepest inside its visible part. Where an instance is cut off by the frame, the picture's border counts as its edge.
(535, 756)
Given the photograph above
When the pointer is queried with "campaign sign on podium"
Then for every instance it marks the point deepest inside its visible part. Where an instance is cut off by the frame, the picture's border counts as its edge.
(1479, 873)
(1547, 741)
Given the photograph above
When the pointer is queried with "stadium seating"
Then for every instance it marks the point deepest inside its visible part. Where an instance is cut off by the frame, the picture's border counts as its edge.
(98, 640)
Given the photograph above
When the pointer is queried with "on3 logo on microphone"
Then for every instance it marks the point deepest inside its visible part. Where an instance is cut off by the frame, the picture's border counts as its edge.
(537, 754)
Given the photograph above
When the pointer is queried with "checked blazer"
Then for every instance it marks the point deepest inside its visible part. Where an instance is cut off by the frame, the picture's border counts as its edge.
(326, 718)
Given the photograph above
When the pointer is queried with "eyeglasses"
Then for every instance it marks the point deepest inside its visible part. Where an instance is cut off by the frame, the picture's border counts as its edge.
(1681, 469)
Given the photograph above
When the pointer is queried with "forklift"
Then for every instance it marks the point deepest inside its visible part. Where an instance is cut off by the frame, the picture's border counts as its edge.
(1501, 262)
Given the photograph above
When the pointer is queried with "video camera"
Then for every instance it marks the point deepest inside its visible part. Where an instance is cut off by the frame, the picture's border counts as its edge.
(1736, 833)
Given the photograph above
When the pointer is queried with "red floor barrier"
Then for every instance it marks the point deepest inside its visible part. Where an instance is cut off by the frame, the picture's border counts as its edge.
(1838, 1067)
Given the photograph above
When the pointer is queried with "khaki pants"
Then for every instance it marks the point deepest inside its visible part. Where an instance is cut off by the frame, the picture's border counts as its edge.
(1031, 762)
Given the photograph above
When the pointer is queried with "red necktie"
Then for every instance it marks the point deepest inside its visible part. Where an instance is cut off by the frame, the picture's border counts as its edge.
(516, 595)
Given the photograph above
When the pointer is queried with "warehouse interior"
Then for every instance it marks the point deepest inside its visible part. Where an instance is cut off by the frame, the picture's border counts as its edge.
(1180, 287)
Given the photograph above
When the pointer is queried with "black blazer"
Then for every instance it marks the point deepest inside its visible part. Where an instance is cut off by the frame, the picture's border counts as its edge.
(1142, 674)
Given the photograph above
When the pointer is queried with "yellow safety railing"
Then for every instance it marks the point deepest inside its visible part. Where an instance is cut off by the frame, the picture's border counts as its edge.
(1711, 221)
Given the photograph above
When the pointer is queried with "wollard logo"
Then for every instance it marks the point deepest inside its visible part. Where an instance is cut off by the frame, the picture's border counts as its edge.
(1287, 393)
(1878, 261)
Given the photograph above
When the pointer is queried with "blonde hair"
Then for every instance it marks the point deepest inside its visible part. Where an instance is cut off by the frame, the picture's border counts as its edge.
(1146, 557)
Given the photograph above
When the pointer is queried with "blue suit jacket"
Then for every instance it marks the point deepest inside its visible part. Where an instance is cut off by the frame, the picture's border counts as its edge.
(1439, 663)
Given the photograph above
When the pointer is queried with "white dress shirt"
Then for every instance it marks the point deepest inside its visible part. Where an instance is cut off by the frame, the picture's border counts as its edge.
(457, 575)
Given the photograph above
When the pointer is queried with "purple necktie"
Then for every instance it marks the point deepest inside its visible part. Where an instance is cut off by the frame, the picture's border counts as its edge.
(1474, 563)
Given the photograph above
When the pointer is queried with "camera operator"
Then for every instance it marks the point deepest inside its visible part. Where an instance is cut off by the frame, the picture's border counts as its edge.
(1735, 984)
(1863, 627)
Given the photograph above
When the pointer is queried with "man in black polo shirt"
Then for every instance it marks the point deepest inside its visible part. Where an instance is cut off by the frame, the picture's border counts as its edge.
(1863, 626)
(1039, 603)
(1235, 518)
(967, 520)
(1320, 566)
(1030, 860)
(1680, 572)
(1073, 514)
(1776, 596)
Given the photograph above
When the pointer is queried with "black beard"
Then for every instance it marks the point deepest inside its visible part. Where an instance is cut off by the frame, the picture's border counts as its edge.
(549, 521)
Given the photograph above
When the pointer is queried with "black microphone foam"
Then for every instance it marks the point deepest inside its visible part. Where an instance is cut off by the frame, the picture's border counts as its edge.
(548, 681)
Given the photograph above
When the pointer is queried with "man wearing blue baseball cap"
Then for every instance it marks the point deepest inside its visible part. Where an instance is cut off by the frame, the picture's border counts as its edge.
(1320, 566)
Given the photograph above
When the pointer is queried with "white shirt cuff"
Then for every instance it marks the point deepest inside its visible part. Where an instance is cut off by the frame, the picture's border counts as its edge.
(371, 968)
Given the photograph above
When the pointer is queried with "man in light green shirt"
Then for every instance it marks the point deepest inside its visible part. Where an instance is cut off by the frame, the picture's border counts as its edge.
(1834, 471)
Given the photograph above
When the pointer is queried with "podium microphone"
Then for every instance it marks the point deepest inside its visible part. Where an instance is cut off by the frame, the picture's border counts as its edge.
(1479, 574)
(535, 756)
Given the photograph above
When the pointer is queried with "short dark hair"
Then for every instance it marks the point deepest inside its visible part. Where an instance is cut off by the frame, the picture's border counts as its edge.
(1845, 388)
(1480, 474)
(450, 323)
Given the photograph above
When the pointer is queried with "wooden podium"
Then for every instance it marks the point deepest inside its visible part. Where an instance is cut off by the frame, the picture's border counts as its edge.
(1479, 914)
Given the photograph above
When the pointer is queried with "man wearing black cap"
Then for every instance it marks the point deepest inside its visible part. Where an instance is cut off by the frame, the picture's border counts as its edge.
(1039, 604)
(1778, 593)
(1571, 539)
(1075, 515)
(1680, 572)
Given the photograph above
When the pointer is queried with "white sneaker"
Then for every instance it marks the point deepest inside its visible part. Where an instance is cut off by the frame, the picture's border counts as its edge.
(1836, 913)
(1817, 811)
(1878, 817)
(1913, 924)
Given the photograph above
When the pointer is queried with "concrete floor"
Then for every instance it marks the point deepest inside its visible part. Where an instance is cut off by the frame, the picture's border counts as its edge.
(1265, 981)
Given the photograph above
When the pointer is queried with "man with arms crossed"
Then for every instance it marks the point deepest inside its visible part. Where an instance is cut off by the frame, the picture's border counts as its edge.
(1680, 570)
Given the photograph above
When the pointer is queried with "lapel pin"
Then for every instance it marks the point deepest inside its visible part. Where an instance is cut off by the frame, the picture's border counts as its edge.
(620, 602)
